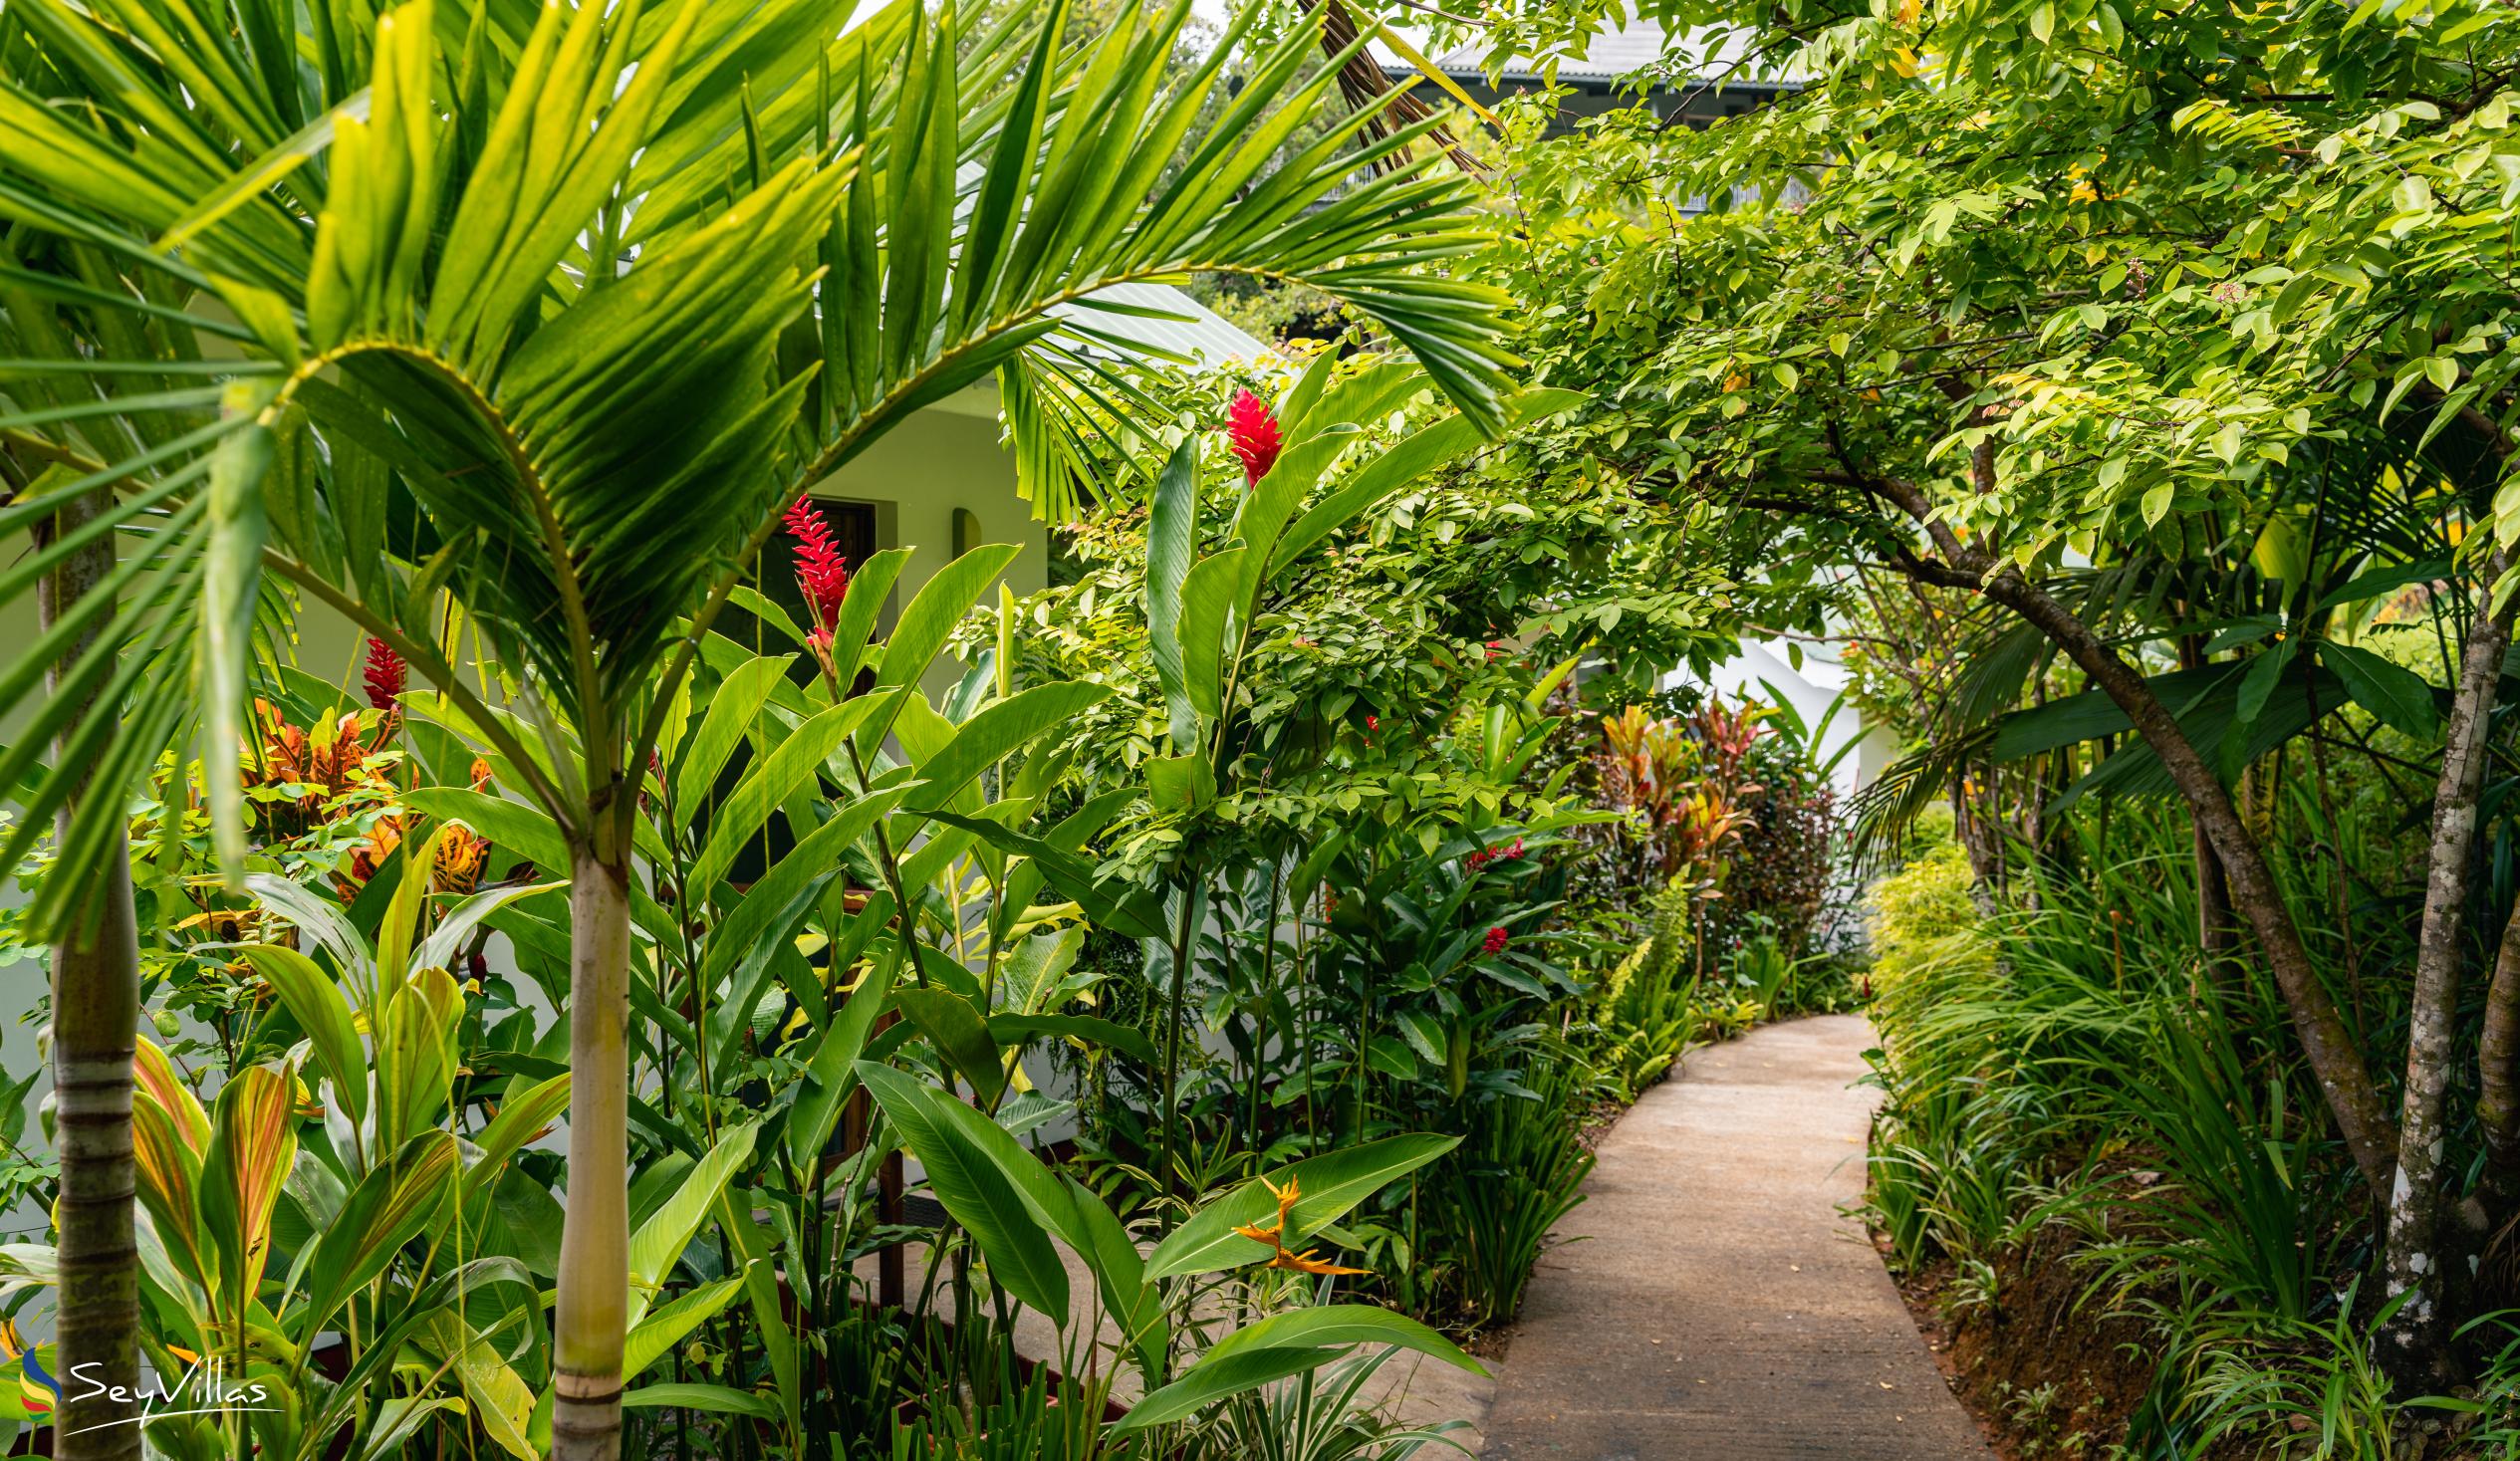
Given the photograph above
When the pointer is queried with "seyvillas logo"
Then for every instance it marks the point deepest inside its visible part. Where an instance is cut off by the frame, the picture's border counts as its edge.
(37, 1392)
(202, 1389)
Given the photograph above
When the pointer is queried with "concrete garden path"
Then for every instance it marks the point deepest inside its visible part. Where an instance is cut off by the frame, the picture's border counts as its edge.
(1719, 1306)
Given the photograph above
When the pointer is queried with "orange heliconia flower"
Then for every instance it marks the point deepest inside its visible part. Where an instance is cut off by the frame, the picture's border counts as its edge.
(1275, 1236)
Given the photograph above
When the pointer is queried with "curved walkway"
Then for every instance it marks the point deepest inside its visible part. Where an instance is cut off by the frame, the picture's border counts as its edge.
(1720, 1305)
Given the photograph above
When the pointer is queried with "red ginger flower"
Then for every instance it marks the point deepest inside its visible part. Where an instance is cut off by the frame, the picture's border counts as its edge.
(1508, 852)
(1495, 942)
(1253, 430)
(821, 572)
(385, 676)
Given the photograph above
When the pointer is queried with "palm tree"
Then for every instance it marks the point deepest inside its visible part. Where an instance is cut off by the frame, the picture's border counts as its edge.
(549, 312)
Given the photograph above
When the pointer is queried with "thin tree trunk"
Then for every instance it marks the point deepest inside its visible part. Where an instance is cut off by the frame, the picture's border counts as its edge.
(96, 1012)
(2217, 934)
(2411, 1343)
(594, 1303)
(2336, 1063)
(2498, 1082)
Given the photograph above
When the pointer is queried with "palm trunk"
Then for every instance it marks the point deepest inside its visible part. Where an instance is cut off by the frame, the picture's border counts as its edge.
(2411, 1342)
(594, 1303)
(95, 1010)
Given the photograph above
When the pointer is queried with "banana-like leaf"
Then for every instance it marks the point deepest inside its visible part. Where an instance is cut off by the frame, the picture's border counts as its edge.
(311, 997)
(660, 1241)
(1010, 1029)
(977, 1181)
(1210, 609)
(396, 1202)
(955, 1029)
(1330, 1184)
(1172, 542)
(1206, 1383)
(670, 1324)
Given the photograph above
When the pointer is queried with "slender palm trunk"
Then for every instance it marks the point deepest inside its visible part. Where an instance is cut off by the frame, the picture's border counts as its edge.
(95, 1010)
(594, 1303)
(2413, 1261)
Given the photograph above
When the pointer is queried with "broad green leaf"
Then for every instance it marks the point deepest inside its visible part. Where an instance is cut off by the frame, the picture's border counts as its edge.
(1340, 1325)
(997, 732)
(311, 1000)
(702, 1399)
(520, 1120)
(976, 1187)
(1205, 1385)
(660, 1241)
(929, 620)
(1133, 911)
(950, 1024)
(831, 1074)
(1208, 603)
(1330, 1184)
(395, 1203)
(415, 1054)
(1011, 1029)
(1172, 540)
(512, 826)
(790, 767)
(738, 707)
(670, 1324)
(2397, 697)
(1180, 783)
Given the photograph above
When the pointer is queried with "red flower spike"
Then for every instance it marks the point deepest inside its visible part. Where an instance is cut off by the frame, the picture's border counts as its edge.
(1253, 430)
(821, 572)
(385, 676)
(1495, 942)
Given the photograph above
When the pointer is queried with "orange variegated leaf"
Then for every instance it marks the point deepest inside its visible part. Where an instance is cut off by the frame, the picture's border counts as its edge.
(253, 1142)
(157, 1078)
(169, 1184)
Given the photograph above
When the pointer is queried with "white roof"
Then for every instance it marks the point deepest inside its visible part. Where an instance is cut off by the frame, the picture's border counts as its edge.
(1199, 333)
(1607, 54)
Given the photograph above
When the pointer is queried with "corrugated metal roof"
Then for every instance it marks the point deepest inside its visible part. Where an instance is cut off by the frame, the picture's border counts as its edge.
(1611, 53)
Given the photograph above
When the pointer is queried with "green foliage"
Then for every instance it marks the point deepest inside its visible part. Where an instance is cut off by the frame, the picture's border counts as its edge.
(1922, 918)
